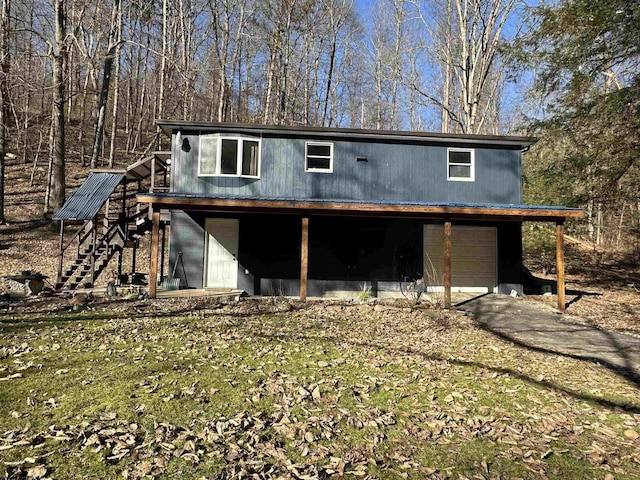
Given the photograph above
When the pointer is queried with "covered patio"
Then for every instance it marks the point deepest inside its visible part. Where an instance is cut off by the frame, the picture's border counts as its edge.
(444, 213)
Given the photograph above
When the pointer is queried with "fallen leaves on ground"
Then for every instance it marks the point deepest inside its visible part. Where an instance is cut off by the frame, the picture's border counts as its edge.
(273, 389)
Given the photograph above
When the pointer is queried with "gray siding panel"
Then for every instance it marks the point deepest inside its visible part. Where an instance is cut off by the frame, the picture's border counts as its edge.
(393, 172)
(187, 236)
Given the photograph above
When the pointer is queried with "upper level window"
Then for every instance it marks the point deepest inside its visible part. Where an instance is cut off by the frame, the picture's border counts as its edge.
(460, 164)
(318, 157)
(229, 156)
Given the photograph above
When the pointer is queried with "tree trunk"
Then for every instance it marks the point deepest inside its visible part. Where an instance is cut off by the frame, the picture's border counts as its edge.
(398, 10)
(57, 164)
(116, 89)
(163, 69)
(112, 52)
(4, 94)
(448, 61)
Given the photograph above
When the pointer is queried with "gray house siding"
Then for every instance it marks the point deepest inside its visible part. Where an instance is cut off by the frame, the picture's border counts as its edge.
(345, 253)
(187, 236)
(393, 172)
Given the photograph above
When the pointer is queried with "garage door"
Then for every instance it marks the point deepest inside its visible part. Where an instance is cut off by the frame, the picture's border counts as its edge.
(473, 258)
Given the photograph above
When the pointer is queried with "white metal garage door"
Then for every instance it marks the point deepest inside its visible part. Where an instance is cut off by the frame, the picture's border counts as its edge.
(473, 258)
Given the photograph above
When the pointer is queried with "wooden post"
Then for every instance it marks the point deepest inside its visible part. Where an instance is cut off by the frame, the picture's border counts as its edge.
(447, 264)
(120, 253)
(61, 259)
(162, 246)
(153, 174)
(153, 270)
(124, 195)
(304, 258)
(93, 250)
(105, 220)
(134, 254)
(560, 265)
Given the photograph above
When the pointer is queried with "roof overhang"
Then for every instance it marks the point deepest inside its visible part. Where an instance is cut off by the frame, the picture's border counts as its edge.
(454, 211)
(171, 126)
(143, 168)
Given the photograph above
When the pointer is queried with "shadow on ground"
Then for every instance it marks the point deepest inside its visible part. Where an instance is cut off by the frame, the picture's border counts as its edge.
(511, 319)
(543, 330)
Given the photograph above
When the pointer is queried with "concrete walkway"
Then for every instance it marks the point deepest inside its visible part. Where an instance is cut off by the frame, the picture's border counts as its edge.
(544, 329)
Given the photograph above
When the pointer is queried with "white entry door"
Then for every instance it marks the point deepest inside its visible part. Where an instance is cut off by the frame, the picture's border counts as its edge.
(221, 264)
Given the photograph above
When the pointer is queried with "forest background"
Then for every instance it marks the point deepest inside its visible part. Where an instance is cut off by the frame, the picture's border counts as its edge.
(82, 81)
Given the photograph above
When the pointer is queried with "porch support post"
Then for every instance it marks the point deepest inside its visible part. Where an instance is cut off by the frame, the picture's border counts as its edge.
(153, 174)
(153, 270)
(304, 258)
(162, 247)
(447, 264)
(60, 258)
(560, 264)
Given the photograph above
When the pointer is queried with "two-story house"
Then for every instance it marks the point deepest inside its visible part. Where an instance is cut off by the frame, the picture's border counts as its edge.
(317, 211)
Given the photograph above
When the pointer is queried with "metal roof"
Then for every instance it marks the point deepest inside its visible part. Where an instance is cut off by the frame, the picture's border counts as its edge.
(142, 168)
(504, 206)
(169, 126)
(88, 199)
(494, 210)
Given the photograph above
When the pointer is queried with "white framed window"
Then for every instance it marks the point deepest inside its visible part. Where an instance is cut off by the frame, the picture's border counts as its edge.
(318, 157)
(228, 156)
(461, 164)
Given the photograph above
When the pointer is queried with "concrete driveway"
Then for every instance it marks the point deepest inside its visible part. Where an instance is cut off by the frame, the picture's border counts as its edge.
(544, 329)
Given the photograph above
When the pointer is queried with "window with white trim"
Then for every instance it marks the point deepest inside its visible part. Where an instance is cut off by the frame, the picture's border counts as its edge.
(229, 156)
(318, 157)
(460, 164)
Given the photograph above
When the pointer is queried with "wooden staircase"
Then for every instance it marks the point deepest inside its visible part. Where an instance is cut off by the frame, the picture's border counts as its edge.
(118, 225)
(95, 251)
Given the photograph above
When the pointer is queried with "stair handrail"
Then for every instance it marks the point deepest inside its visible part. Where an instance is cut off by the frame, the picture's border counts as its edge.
(77, 234)
(91, 253)
(106, 240)
(135, 216)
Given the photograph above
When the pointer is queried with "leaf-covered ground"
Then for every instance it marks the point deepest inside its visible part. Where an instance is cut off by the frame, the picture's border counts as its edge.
(196, 389)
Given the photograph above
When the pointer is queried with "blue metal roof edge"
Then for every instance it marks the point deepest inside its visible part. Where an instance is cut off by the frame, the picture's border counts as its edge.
(504, 206)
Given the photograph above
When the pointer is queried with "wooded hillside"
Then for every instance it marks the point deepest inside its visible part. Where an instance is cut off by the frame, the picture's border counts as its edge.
(82, 81)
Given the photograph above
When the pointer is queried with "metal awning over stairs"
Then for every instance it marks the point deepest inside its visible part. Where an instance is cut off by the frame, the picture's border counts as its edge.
(86, 201)
(112, 219)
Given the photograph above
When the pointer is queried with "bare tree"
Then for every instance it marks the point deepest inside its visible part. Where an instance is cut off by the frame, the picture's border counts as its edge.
(338, 15)
(58, 158)
(116, 91)
(112, 52)
(465, 36)
(5, 60)
(163, 70)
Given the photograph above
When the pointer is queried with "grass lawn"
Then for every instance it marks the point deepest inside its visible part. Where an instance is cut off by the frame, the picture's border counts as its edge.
(196, 389)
